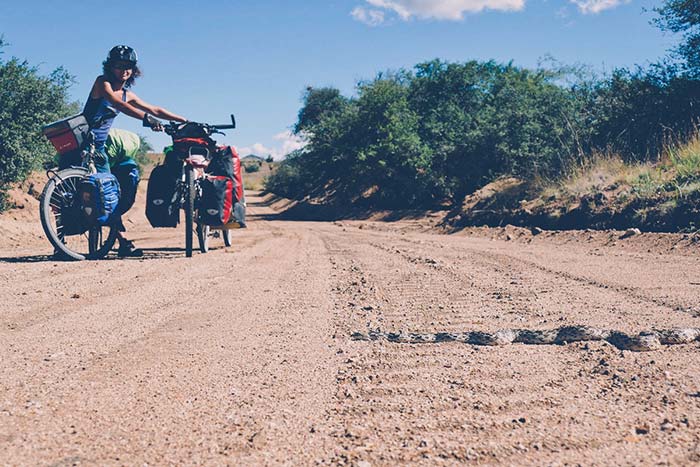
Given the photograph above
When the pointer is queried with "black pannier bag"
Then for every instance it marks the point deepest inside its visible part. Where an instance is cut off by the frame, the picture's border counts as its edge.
(216, 203)
(68, 134)
(162, 203)
(223, 163)
(71, 220)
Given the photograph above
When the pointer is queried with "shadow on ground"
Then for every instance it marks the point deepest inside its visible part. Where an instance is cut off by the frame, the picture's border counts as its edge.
(303, 211)
(28, 259)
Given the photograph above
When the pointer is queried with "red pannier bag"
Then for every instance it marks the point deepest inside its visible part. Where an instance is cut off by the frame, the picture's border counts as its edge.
(68, 134)
(227, 162)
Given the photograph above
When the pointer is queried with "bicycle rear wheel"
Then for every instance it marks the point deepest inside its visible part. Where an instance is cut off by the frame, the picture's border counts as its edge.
(62, 221)
(189, 209)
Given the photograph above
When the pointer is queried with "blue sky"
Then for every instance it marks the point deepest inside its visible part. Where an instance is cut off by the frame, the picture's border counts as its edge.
(207, 59)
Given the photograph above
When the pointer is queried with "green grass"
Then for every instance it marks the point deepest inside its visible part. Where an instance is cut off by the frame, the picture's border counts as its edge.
(610, 186)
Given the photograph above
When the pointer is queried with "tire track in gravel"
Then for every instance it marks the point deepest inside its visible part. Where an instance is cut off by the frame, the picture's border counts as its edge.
(446, 403)
(58, 288)
(223, 358)
(477, 294)
(684, 306)
(521, 292)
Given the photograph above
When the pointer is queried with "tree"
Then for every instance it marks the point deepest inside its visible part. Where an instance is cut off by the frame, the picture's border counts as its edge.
(317, 103)
(28, 101)
(141, 156)
(683, 16)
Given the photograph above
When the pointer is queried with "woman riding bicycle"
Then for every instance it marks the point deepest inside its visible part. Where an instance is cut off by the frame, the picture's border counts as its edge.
(109, 96)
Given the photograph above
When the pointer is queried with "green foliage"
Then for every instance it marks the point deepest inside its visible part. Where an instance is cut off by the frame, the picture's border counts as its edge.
(250, 168)
(688, 168)
(444, 129)
(416, 138)
(482, 120)
(292, 178)
(635, 113)
(269, 159)
(141, 156)
(27, 102)
(683, 16)
(317, 103)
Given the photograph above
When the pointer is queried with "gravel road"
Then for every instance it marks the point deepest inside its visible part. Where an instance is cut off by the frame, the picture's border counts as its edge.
(243, 356)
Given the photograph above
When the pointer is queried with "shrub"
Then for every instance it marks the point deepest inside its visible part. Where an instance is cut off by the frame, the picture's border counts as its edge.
(28, 101)
(250, 168)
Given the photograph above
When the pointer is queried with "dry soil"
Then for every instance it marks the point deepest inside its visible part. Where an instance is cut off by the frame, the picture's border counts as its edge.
(243, 356)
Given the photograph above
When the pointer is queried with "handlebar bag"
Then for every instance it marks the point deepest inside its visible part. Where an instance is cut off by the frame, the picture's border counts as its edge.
(216, 203)
(99, 197)
(162, 203)
(68, 134)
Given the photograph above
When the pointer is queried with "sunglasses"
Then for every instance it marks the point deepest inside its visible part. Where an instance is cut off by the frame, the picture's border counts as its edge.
(123, 66)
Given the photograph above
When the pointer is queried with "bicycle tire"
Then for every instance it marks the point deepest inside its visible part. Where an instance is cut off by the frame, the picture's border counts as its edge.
(227, 234)
(189, 209)
(58, 190)
(203, 237)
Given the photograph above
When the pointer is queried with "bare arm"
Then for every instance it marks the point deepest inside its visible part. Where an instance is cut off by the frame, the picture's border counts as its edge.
(115, 99)
(156, 111)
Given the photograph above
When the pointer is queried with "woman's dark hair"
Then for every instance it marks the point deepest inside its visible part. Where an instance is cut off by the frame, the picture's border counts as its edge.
(107, 72)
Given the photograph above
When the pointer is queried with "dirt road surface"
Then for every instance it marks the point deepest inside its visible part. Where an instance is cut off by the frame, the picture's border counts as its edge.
(243, 356)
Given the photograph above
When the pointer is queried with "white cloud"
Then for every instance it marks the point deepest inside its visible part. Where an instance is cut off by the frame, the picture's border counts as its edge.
(370, 17)
(288, 142)
(596, 6)
(437, 9)
(375, 11)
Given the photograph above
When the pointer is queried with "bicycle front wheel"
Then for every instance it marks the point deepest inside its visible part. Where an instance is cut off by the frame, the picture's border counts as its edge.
(64, 224)
(203, 237)
(189, 209)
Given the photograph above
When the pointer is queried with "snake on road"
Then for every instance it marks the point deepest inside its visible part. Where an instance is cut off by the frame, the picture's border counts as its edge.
(642, 342)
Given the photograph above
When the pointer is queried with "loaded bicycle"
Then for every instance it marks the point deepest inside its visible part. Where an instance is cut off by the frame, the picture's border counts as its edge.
(195, 161)
(62, 214)
(77, 233)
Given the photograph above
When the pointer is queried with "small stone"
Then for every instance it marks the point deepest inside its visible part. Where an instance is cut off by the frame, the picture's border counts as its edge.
(536, 231)
(667, 426)
(630, 233)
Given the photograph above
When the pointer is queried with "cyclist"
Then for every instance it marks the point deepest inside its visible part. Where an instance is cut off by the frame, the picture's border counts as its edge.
(110, 95)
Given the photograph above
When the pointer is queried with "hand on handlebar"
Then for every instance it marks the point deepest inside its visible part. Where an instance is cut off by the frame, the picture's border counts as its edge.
(151, 122)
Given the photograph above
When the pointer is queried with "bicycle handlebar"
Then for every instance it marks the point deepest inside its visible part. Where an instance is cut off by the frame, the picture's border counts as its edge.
(173, 127)
(227, 126)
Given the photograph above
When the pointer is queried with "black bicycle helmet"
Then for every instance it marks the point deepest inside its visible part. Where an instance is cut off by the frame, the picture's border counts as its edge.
(123, 52)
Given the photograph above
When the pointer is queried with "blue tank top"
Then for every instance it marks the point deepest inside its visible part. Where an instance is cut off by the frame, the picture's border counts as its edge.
(94, 111)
